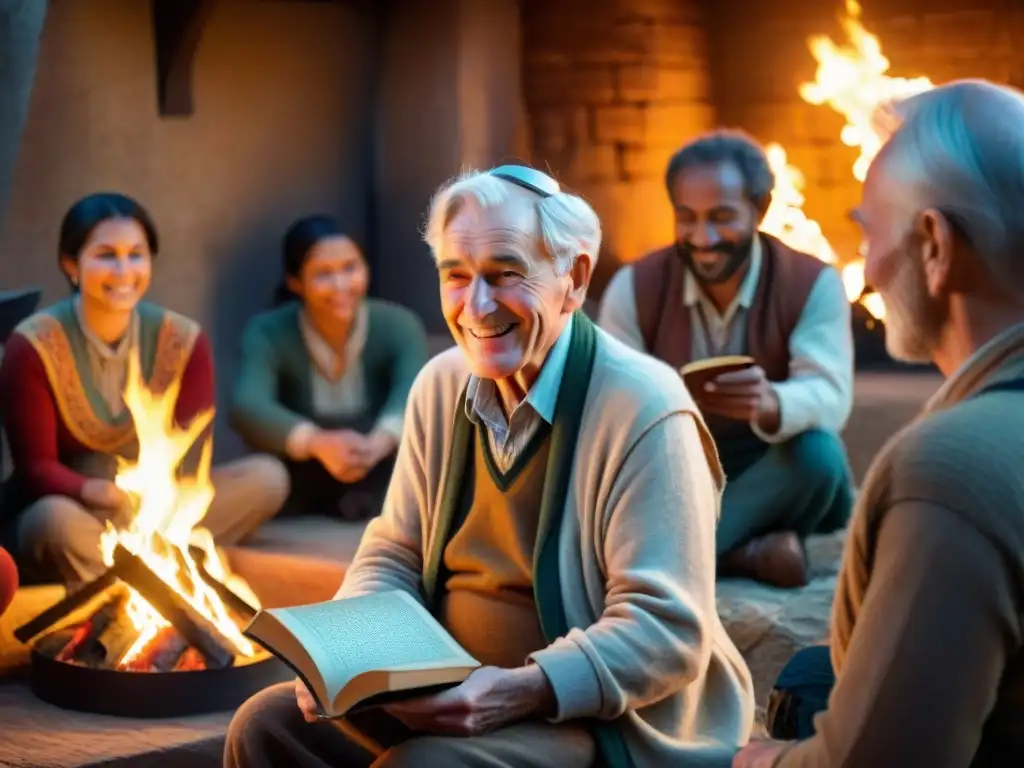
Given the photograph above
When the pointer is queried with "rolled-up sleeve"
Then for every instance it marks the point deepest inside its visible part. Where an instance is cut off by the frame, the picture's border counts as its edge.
(819, 391)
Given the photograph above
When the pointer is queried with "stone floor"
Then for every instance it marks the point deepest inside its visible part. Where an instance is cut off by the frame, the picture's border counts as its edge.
(767, 624)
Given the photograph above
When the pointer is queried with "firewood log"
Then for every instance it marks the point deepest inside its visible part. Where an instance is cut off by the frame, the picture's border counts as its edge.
(116, 638)
(160, 654)
(82, 646)
(200, 633)
(236, 605)
(52, 644)
(62, 610)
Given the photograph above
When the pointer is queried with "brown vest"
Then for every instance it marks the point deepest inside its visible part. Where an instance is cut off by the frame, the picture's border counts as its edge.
(787, 277)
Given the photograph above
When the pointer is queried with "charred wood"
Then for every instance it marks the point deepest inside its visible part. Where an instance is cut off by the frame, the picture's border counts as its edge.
(195, 628)
(56, 613)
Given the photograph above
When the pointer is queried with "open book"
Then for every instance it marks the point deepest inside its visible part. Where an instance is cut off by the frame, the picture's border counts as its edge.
(700, 372)
(363, 651)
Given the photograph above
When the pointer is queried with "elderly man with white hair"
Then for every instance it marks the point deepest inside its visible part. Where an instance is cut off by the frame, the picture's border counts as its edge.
(928, 622)
(554, 503)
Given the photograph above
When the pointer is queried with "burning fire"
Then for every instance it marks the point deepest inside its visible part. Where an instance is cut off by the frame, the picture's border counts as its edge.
(851, 79)
(169, 509)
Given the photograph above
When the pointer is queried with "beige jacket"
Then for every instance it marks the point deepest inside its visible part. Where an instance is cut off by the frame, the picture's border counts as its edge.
(636, 557)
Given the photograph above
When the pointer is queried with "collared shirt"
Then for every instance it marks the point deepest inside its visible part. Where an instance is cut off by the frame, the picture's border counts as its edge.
(109, 362)
(509, 437)
(819, 391)
(338, 382)
(718, 332)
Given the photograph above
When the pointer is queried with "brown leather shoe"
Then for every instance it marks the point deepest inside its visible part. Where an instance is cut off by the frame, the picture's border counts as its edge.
(775, 558)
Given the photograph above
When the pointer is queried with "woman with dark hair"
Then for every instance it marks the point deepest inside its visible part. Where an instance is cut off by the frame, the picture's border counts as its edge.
(62, 381)
(324, 378)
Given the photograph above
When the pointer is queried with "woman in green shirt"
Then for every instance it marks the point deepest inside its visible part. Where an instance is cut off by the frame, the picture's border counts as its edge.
(325, 376)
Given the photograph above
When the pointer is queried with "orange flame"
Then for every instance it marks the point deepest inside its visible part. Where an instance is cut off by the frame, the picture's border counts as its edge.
(851, 79)
(169, 512)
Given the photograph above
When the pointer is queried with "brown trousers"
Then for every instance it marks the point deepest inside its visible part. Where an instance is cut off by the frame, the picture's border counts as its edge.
(57, 539)
(268, 731)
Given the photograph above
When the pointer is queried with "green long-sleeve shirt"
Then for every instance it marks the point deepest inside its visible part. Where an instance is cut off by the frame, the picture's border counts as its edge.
(274, 390)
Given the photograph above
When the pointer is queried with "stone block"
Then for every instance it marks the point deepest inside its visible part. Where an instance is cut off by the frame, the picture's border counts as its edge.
(621, 123)
(597, 39)
(550, 131)
(645, 162)
(661, 11)
(648, 82)
(554, 86)
(590, 163)
(679, 44)
(684, 84)
(636, 82)
(974, 29)
(675, 124)
(581, 126)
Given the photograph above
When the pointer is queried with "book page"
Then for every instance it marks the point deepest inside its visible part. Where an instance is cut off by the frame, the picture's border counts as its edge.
(386, 631)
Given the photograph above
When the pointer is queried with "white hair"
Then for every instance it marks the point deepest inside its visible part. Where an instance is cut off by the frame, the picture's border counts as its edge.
(568, 225)
(960, 149)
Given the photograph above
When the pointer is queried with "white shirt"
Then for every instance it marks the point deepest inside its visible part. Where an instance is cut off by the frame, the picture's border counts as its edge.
(109, 362)
(338, 382)
(819, 391)
(509, 437)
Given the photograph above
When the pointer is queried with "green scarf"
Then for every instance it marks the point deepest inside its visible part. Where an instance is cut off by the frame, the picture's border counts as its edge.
(572, 395)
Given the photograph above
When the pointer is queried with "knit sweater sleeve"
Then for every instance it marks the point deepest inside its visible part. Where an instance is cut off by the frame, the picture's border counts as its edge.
(31, 421)
(657, 628)
(921, 673)
(256, 411)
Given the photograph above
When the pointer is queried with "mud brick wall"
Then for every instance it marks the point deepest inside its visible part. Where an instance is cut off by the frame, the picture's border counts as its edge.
(758, 57)
(612, 88)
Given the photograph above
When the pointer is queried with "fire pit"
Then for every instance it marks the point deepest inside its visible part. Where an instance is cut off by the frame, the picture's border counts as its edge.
(89, 655)
(159, 634)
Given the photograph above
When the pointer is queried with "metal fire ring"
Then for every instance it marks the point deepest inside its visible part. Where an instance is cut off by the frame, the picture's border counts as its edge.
(151, 694)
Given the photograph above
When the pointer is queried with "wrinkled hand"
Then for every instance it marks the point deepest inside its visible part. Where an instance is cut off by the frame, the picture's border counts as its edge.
(306, 702)
(485, 701)
(744, 396)
(346, 454)
(762, 753)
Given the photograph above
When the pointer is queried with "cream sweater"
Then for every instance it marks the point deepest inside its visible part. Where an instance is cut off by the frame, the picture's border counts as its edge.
(635, 550)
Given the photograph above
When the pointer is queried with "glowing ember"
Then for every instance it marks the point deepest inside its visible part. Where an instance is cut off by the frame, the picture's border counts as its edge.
(851, 79)
(169, 509)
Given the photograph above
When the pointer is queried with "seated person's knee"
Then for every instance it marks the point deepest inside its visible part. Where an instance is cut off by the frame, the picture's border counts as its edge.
(820, 458)
(56, 523)
(272, 475)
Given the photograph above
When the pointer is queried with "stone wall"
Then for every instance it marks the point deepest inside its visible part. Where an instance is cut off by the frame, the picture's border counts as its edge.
(612, 87)
(759, 56)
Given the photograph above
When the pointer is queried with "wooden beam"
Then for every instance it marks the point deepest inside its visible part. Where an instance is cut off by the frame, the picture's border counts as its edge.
(177, 28)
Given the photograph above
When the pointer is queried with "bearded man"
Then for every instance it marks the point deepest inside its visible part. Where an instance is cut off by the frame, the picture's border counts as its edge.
(927, 632)
(723, 288)
(553, 502)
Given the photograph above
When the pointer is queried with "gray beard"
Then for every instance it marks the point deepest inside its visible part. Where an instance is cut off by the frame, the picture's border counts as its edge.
(913, 324)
